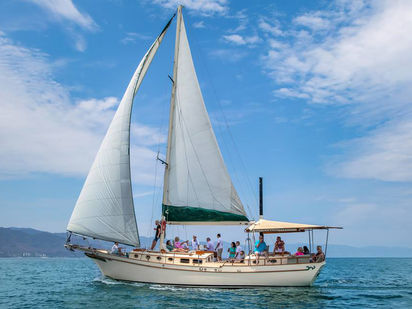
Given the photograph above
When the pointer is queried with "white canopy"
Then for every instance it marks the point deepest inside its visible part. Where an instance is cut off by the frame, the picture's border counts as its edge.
(268, 226)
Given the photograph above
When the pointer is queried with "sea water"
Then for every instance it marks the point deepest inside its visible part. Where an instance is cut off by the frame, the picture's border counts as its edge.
(77, 283)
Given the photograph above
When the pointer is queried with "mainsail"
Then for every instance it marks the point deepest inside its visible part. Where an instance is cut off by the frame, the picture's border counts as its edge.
(197, 186)
(104, 209)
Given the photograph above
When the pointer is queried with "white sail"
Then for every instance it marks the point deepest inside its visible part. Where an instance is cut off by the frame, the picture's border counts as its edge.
(104, 209)
(198, 188)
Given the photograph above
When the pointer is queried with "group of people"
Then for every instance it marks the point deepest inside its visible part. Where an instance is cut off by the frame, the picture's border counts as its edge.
(261, 249)
(236, 252)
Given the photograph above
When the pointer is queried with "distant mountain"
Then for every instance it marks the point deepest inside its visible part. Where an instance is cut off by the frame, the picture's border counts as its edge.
(30, 242)
(27, 242)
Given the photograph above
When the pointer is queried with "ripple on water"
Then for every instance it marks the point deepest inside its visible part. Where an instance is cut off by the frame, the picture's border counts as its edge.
(75, 282)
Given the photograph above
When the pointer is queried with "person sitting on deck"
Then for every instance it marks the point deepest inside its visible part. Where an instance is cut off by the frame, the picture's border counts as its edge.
(169, 245)
(260, 246)
(232, 252)
(306, 250)
(178, 246)
(299, 252)
(116, 249)
(319, 256)
(209, 245)
(241, 257)
(279, 246)
(185, 245)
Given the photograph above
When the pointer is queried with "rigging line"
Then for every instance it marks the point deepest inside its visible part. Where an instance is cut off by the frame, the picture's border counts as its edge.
(248, 185)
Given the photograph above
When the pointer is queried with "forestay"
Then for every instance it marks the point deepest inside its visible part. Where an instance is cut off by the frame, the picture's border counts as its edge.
(105, 207)
(198, 188)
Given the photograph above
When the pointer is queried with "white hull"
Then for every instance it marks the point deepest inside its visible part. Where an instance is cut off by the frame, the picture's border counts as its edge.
(225, 276)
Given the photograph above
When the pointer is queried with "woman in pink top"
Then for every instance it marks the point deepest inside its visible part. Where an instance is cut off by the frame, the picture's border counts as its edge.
(178, 245)
(299, 252)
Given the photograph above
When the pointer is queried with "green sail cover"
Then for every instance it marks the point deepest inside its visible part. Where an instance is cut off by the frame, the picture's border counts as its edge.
(195, 214)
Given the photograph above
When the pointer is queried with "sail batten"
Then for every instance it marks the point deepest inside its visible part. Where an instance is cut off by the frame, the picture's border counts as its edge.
(197, 186)
(105, 209)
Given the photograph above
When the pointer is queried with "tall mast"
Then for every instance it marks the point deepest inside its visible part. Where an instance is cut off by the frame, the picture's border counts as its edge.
(172, 101)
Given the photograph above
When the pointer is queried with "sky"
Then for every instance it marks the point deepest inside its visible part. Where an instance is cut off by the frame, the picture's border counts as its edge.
(314, 96)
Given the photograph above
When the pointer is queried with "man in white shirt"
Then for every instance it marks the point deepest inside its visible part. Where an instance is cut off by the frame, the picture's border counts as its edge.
(209, 245)
(195, 243)
(219, 247)
(238, 250)
(116, 249)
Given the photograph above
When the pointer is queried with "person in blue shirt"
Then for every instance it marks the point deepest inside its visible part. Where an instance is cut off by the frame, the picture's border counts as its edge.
(260, 246)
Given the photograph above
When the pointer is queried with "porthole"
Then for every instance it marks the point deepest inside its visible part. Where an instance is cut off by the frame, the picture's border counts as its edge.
(147, 257)
(158, 258)
(170, 259)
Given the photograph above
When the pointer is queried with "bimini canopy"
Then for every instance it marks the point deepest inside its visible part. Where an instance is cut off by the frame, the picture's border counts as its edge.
(268, 226)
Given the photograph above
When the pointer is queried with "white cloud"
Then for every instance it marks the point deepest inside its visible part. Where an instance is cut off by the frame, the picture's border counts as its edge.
(384, 154)
(286, 92)
(200, 24)
(131, 37)
(312, 21)
(358, 61)
(362, 63)
(271, 29)
(241, 40)
(65, 10)
(229, 55)
(204, 7)
(43, 130)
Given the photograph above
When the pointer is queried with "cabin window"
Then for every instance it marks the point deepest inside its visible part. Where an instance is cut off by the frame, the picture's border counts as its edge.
(170, 259)
(196, 261)
(136, 256)
(272, 261)
(158, 258)
(186, 261)
(147, 257)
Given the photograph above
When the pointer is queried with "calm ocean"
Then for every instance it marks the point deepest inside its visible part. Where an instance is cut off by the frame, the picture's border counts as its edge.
(77, 283)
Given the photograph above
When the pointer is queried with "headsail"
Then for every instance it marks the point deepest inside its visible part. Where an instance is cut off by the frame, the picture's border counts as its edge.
(198, 188)
(105, 207)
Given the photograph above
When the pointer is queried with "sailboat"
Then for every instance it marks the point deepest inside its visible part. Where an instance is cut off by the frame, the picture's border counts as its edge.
(197, 190)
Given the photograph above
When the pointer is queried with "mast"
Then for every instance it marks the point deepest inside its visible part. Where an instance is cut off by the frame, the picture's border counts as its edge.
(172, 101)
(171, 119)
(260, 197)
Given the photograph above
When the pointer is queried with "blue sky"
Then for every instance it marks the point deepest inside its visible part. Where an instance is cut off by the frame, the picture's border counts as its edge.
(315, 96)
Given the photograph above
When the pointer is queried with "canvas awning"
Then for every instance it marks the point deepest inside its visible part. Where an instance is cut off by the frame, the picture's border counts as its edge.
(268, 226)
